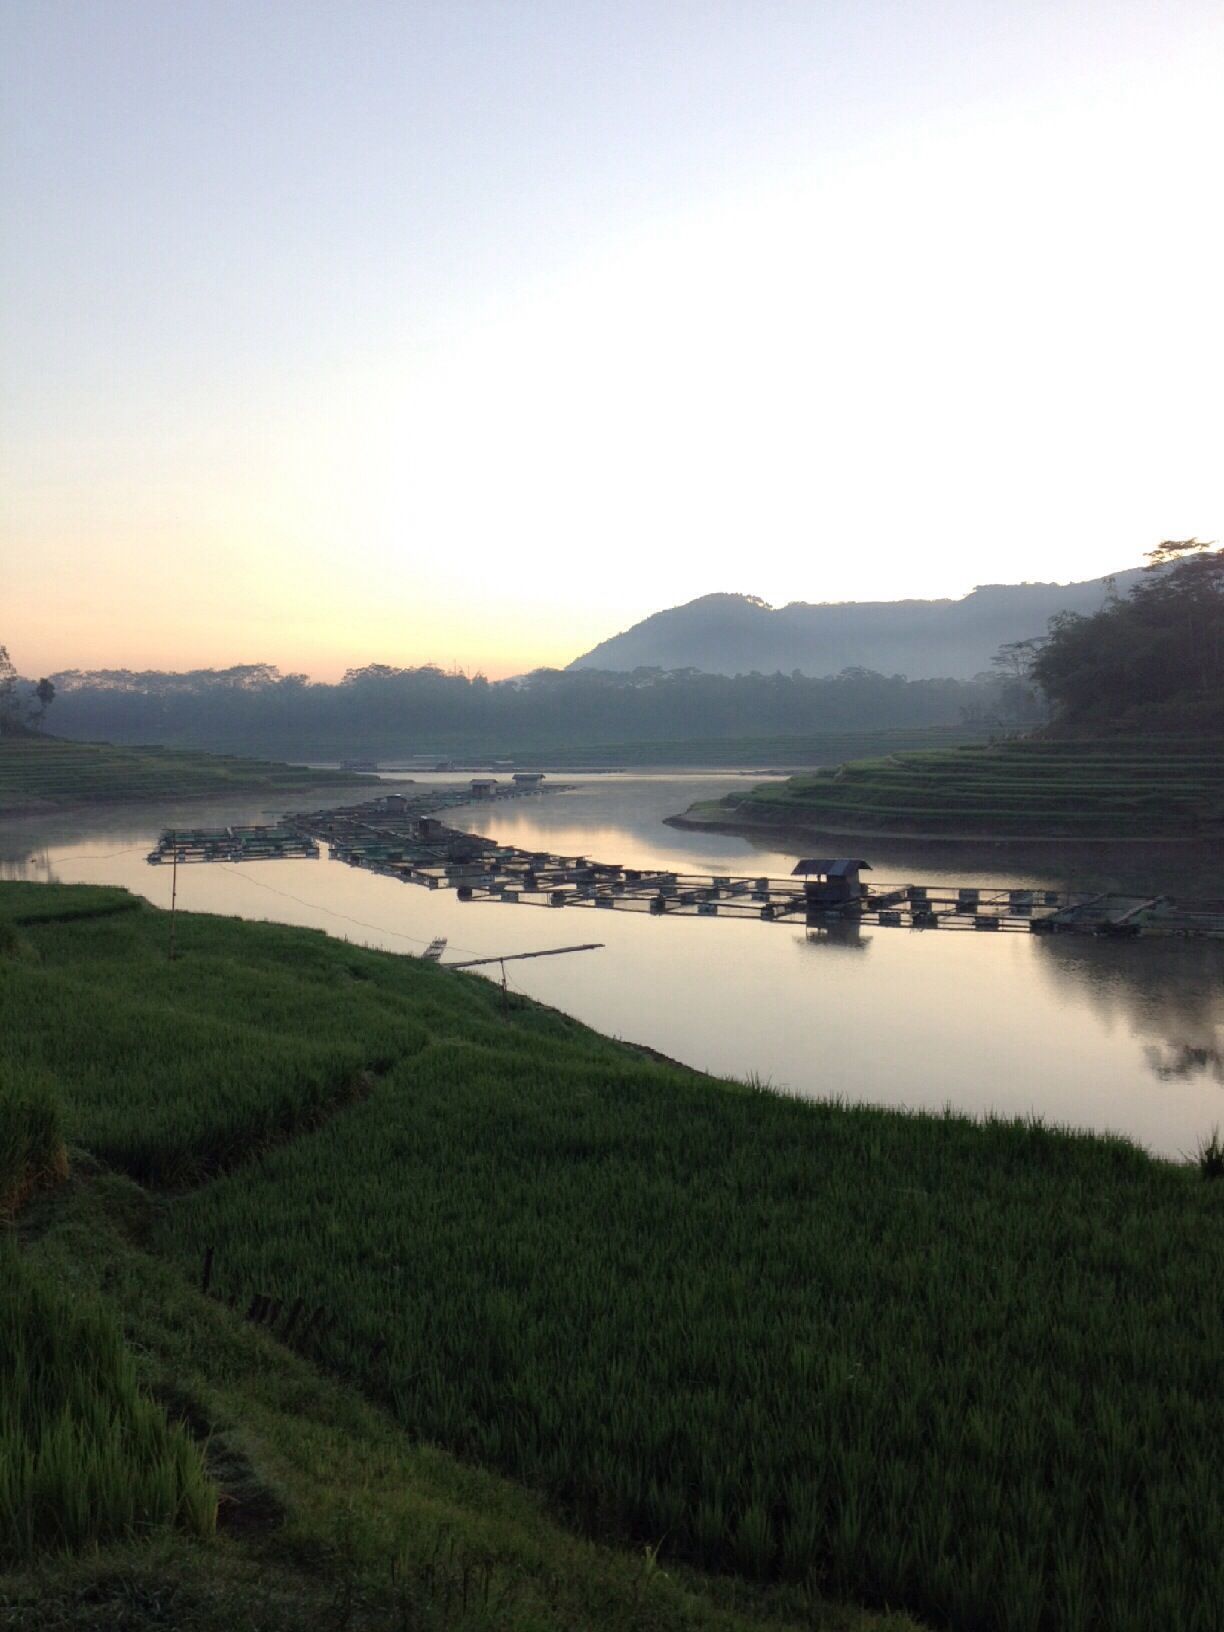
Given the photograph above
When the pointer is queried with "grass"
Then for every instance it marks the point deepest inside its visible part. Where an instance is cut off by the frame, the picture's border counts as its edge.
(85, 1456)
(1107, 788)
(32, 1151)
(968, 1369)
(1210, 1156)
(330, 1515)
(196, 1067)
(40, 772)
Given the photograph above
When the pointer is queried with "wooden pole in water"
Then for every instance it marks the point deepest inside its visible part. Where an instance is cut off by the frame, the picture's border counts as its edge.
(173, 887)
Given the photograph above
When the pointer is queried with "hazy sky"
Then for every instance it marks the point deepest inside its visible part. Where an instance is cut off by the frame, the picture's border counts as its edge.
(474, 332)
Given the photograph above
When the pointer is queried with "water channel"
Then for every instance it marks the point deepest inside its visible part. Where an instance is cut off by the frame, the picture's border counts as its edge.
(1119, 1036)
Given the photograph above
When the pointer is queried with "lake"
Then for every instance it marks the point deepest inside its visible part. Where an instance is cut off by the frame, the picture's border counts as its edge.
(1125, 1036)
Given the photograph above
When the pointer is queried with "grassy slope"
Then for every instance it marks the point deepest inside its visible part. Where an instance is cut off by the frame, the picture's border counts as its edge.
(966, 1368)
(331, 1515)
(38, 772)
(1107, 788)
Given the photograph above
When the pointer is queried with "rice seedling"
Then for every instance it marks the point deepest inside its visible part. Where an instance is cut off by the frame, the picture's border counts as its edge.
(31, 1142)
(713, 1317)
(1211, 1156)
(701, 1317)
(84, 1456)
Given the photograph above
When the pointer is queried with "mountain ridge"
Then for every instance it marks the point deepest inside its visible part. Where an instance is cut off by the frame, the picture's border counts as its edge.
(728, 633)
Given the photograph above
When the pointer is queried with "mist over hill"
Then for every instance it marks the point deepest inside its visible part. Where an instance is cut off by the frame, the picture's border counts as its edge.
(740, 634)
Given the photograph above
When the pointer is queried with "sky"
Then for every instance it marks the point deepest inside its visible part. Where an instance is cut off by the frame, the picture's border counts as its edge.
(472, 332)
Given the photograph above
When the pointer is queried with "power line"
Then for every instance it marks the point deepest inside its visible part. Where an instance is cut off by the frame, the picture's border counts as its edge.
(314, 906)
(106, 855)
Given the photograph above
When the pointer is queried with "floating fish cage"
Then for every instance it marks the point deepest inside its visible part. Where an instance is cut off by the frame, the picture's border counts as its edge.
(276, 843)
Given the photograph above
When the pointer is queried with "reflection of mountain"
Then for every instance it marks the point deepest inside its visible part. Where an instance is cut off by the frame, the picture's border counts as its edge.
(1169, 991)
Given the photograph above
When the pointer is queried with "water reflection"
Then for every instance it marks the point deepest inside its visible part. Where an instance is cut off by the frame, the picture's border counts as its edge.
(1186, 1060)
(1168, 992)
(19, 862)
(839, 937)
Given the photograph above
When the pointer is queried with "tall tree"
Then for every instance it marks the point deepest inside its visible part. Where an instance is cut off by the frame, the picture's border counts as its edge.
(9, 705)
(44, 696)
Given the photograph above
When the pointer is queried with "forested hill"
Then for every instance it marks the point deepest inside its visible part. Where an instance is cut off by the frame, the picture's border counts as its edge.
(737, 634)
(1152, 661)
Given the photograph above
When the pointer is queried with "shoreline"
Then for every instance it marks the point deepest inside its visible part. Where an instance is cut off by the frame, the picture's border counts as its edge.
(127, 804)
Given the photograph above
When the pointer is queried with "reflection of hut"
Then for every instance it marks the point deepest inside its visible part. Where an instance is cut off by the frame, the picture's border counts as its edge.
(528, 779)
(482, 787)
(830, 883)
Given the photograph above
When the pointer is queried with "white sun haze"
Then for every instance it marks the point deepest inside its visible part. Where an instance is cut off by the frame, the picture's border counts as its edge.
(474, 334)
(987, 354)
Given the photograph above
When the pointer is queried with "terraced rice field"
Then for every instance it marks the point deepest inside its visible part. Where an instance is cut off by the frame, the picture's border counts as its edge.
(1082, 789)
(45, 772)
(969, 1369)
(811, 748)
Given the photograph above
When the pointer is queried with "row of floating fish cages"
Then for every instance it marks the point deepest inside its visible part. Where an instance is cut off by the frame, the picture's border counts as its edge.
(561, 882)
(396, 809)
(277, 842)
(403, 838)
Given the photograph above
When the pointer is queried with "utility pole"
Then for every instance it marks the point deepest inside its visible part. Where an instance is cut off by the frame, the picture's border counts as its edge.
(173, 888)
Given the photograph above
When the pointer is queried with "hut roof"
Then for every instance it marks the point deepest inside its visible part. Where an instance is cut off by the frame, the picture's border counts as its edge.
(830, 868)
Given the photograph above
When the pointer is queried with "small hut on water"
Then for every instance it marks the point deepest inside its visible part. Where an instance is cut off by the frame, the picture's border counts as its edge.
(830, 882)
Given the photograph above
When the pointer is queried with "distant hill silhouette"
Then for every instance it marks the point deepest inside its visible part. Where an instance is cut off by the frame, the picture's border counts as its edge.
(736, 634)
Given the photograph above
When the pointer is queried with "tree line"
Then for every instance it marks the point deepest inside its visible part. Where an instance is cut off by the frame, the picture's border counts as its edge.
(383, 710)
(23, 704)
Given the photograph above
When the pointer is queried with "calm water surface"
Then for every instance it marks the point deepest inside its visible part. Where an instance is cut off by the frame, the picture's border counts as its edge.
(1124, 1036)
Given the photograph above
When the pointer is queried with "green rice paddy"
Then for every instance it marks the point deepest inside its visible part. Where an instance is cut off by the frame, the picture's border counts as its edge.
(38, 772)
(1105, 788)
(85, 1456)
(968, 1369)
(31, 1142)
